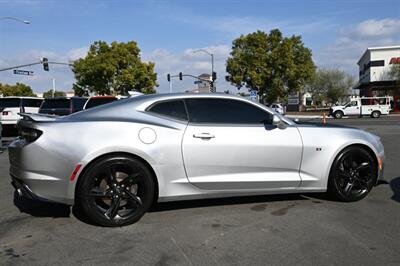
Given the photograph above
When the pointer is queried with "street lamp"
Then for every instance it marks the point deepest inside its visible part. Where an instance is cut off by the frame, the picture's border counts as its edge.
(16, 19)
(212, 63)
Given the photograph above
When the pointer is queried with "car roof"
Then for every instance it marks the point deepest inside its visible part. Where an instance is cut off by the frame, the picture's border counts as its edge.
(129, 108)
(64, 98)
(102, 96)
(21, 97)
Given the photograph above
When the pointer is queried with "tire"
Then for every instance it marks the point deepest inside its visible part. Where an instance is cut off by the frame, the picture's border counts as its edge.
(116, 191)
(352, 175)
(376, 114)
(338, 114)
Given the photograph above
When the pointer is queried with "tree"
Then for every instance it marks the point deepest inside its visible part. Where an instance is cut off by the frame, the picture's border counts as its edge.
(19, 89)
(269, 63)
(394, 72)
(49, 94)
(330, 85)
(114, 69)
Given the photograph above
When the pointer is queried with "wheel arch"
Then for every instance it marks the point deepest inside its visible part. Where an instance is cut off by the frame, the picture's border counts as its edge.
(79, 178)
(365, 146)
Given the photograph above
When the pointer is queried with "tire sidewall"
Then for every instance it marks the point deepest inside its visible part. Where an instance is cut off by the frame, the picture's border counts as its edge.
(338, 114)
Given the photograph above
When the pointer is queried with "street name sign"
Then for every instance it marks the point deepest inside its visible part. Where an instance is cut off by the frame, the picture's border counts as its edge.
(23, 72)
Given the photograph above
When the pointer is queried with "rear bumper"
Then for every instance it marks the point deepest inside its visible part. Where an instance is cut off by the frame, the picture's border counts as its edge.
(23, 190)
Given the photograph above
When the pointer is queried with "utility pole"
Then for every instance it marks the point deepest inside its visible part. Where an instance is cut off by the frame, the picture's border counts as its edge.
(54, 88)
(212, 85)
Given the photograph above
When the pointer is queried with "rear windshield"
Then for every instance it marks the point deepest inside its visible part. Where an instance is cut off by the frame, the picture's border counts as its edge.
(56, 104)
(10, 102)
(98, 101)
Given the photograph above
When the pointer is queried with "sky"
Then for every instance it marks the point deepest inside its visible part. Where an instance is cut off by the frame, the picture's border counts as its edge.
(168, 33)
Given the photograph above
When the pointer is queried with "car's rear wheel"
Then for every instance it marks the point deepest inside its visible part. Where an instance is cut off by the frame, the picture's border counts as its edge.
(376, 114)
(338, 114)
(353, 174)
(116, 191)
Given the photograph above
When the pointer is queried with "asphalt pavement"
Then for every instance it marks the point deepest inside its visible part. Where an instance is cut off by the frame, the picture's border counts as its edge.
(295, 229)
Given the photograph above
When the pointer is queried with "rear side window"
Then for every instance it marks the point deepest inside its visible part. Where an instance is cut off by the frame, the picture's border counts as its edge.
(175, 109)
(56, 104)
(226, 111)
(10, 102)
(78, 103)
(98, 101)
(32, 102)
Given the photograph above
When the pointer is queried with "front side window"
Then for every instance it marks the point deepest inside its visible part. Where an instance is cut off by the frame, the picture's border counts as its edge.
(226, 111)
(175, 109)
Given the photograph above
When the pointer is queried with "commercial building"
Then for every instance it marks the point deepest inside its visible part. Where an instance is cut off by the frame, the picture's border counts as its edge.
(374, 68)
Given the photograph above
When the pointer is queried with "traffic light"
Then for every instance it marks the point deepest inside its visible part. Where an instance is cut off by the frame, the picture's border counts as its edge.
(212, 88)
(180, 76)
(214, 76)
(168, 77)
(45, 63)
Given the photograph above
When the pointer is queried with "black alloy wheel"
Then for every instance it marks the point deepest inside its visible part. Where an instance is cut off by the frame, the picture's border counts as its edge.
(116, 191)
(353, 174)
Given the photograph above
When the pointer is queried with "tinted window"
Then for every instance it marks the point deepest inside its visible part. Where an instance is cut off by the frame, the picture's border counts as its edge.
(175, 109)
(226, 111)
(56, 104)
(92, 102)
(10, 102)
(31, 102)
(78, 103)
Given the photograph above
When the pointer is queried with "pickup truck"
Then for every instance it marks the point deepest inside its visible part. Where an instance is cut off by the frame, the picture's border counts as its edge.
(362, 106)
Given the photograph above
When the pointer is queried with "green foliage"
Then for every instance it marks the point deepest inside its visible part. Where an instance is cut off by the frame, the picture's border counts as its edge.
(18, 89)
(394, 72)
(113, 69)
(49, 94)
(330, 85)
(270, 63)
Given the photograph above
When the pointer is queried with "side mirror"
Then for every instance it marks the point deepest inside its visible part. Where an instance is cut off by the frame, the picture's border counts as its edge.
(277, 121)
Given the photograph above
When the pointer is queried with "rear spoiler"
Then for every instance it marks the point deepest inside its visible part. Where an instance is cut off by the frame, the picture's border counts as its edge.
(38, 117)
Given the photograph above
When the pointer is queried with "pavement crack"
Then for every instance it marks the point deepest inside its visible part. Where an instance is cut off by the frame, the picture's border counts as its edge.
(181, 251)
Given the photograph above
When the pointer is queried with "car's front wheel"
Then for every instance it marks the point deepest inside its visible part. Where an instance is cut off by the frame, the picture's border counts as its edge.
(338, 114)
(116, 191)
(353, 174)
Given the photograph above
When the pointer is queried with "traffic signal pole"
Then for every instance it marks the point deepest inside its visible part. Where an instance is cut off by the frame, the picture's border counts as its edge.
(10, 68)
(32, 64)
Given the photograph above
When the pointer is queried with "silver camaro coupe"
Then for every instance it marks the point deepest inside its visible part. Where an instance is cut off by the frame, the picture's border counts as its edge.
(114, 161)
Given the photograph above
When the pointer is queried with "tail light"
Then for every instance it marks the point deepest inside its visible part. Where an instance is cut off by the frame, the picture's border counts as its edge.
(5, 113)
(30, 134)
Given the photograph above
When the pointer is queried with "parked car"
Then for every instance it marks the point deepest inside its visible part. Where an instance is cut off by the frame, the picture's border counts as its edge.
(115, 160)
(361, 106)
(277, 107)
(98, 100)
(62, 105)
(11, 106)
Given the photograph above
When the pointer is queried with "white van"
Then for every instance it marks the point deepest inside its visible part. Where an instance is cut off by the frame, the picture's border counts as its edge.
(360, 106)
(11, 106)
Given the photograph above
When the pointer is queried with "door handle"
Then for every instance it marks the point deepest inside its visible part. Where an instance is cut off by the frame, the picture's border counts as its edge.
(203, 136)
